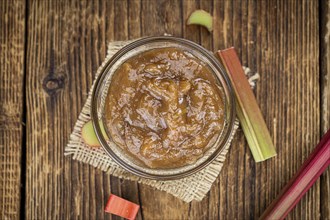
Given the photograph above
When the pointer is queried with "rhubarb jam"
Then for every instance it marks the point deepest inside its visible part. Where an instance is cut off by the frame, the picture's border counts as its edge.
(164, 108)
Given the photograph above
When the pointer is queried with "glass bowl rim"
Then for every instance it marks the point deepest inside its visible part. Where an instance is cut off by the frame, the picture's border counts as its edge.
(96, 90)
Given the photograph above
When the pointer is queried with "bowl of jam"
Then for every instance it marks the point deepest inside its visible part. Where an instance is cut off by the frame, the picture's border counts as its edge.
(167, 107)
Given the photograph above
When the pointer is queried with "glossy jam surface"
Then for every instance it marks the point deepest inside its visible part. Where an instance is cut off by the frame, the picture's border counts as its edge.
(164, 108)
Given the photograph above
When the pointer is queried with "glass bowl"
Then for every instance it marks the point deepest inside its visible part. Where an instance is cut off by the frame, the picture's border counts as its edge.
(100, 91)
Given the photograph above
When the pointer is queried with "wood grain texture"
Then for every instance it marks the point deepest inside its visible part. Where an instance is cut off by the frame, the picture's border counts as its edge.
(12, 37)
(325, 98)
(67, 41)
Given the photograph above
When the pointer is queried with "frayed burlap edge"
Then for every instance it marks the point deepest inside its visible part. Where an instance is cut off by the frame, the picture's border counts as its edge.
(194, 187)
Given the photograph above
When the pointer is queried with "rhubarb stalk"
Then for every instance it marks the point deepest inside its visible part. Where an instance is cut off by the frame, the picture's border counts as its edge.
(309, 172)
(248, 112)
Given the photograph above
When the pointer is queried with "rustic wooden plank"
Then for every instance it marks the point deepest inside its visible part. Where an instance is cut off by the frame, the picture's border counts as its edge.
(325, 64)
(325, 98)
(134, 19)
(190, 32)
(12, 38)
(67, 42)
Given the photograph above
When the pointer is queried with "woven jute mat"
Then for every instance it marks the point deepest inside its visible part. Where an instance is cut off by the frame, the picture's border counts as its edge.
(194, 187)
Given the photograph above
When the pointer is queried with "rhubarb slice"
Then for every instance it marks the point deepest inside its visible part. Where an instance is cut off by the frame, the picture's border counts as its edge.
(248, 111)
(89, 136)
(201, 17)
(121, 207)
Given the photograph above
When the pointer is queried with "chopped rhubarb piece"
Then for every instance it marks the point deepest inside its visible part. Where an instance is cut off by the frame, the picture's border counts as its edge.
(89, 136)
(121, 207)
(201, 17)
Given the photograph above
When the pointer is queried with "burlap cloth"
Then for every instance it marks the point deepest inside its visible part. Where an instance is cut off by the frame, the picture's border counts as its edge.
(194, 187)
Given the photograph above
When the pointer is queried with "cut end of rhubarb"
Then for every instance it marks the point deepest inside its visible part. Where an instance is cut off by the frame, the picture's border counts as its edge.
(89, 136)
(201, 17)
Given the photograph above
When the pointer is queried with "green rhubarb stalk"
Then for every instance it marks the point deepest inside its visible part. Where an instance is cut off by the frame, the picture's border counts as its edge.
(201, 17)
(248, 111)
(89, 136)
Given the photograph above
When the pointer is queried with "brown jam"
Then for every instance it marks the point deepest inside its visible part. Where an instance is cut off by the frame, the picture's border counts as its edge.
(164, 107)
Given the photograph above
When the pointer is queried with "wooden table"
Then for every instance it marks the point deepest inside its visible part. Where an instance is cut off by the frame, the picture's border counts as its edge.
(50, 50)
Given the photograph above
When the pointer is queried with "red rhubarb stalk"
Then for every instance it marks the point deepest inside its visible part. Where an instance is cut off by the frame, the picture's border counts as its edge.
(310, 171)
